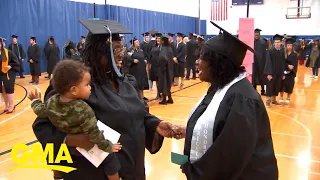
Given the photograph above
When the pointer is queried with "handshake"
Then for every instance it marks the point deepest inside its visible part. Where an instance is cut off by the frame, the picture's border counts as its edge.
(169, 130)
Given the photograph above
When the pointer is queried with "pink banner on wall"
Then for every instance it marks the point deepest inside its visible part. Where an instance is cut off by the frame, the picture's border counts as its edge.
(246, 34)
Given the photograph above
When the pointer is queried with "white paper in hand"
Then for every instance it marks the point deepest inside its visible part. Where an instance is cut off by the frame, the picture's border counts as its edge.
(96, 155)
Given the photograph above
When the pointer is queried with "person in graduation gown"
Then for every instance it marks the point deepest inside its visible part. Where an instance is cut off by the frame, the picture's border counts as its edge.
(34, 55)
(145, 47)
(144, 44)
(138, 66)
(151, 44)
(9, 66)
(228, 134)
(179, 59)
(117, 103)
(258, 77)
(17, 49)
(290, 72)
(69, 49)
(314, 58)
(166, 70)
(200, 41)
(154, 63)
(274, 70)
(173, 44)
(52, 53)
(191, 48)
(302, 52)
(81, 44)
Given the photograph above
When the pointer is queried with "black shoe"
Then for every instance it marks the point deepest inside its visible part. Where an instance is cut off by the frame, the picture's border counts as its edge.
(163, 102)
(22, 77)
(170, 101)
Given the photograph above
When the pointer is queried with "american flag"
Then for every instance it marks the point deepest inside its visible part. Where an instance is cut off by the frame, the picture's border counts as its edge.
(219, 10)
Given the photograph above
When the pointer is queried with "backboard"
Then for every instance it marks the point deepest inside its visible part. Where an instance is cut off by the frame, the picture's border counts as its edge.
(298, 13)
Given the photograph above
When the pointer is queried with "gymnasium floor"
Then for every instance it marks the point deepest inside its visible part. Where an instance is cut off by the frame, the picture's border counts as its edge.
(294, 130)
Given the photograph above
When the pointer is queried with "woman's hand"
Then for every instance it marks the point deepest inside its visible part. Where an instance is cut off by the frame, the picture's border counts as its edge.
(165, 129)
(79, 140)
(179, 131)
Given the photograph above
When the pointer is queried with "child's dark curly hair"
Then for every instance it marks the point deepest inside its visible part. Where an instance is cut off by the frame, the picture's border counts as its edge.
(66, 74)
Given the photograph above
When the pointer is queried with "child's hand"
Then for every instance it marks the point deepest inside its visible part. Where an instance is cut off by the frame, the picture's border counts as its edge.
(35, 94)
(117, 147)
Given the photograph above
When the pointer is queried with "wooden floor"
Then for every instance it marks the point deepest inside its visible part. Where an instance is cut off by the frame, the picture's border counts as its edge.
(294, 129)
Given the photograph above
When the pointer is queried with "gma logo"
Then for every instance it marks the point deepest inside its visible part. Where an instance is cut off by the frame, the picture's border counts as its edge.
(35, 157)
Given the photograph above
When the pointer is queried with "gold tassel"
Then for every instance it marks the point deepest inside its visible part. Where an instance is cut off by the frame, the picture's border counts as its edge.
(8, 76)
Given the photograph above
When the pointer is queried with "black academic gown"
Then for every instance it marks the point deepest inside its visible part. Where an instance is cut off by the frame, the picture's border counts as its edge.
(275, 66)
(52, 53)
(138, 70)
(154, 63)
(166, 70)
(288, 82)
(180, 55)
(174, 48)
(123, 111)
(17, 49)
(34, 54)
(145, 49)
(242, 146)
(259, 63)
(191, 56)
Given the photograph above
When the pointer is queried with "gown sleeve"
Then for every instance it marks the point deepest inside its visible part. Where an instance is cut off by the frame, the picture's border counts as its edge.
(233, 148)
(153, 139)
(13, 61)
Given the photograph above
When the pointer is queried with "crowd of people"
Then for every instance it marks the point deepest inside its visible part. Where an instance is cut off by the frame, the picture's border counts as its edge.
(276, 67)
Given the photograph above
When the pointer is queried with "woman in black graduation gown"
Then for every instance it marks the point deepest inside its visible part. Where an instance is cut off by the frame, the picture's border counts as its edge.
(290, 72)
(9, 67)
(138, 67)
(166, 70)
(117, 103)
(154, 62)
(52, 53)
(228, 135)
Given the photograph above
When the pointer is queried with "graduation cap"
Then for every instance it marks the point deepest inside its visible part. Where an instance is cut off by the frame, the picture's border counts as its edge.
(33, 38)
(167, 36)
(257, 30)
(145, 34)
(111, 29)
(229, 46)
(277, 37)
(171, 34)
(133, 40)
(153, 32)
(158, 34)
(83, 37)
(290, 40)
(180, 34)
(14, 36)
